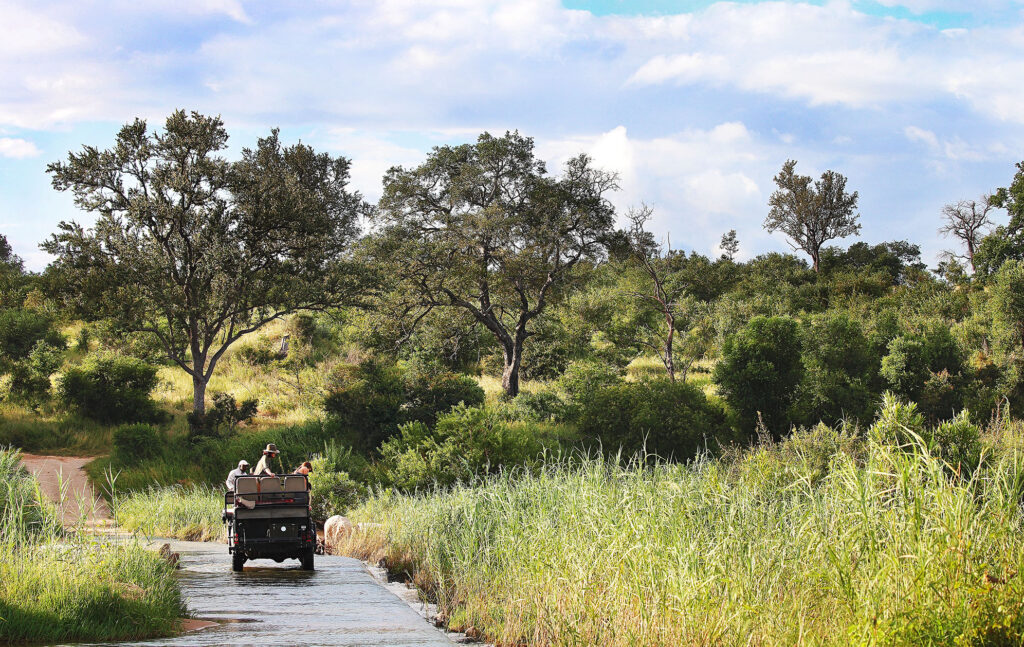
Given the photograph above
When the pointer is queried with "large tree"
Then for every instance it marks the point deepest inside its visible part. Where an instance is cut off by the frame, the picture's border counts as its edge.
(197, 250)
(482, 227)
(1005, 242)
(967, 221)
(812, 212)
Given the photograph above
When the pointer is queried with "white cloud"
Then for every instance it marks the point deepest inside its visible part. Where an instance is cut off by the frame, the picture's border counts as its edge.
(915, 134)
(17, 148)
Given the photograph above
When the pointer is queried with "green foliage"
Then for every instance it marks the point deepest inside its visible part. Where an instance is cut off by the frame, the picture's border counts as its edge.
(839, 369)
(956, 441)
(186, 513)
(671, 420)
(585, 377)
(189, 248)
(482, 228)
(369, 401)
(898, 423)
(333, 492)
(465, 443)
(760, 371)
(912, 358)
(223, 417)
(110, 388)
(259, 352)
(1008, 300)
(30, 377)
(21, 330)
(135, 443)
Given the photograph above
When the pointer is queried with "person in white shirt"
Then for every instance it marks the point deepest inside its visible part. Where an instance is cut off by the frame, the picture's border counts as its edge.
(241, 470)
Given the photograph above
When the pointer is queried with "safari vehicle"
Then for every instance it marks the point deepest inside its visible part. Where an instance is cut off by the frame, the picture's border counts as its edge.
(268, 517)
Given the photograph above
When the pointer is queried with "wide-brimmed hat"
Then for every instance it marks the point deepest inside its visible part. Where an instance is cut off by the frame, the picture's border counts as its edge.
(271, 449)
(243, 463)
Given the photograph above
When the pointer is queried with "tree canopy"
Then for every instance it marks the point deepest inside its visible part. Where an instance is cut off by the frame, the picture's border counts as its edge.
(198, 251)
(812, 214)
(482, 227)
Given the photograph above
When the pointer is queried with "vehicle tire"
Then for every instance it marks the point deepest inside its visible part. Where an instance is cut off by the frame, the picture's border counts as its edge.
(237, 561)
(307, 560)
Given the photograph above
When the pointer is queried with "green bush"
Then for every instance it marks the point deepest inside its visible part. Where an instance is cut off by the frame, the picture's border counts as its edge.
(21, 330)
(223, 417)
(839, 367)
(760, 371)
(466, 442)
(368, 402)
(110, 388)
(30, 377)
(958, 442)
(333, 492)
(584, 377)
(912, 359)
(135, 443)
(668, 419)
(259, 352)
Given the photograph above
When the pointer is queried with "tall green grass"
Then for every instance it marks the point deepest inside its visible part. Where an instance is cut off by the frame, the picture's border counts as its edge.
(60, 586)
(192, 514)
(827, 540)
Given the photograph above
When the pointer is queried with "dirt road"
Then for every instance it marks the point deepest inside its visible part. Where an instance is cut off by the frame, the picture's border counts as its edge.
(81, 502)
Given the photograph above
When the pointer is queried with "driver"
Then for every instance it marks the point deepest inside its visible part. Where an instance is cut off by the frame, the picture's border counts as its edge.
(263, 467)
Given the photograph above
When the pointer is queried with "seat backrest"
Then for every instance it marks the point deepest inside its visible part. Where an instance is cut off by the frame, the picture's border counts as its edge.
(294, 483)
(247, 485)
(270, 484)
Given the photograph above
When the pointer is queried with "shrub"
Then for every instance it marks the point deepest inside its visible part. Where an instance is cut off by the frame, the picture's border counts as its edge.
(110, 388)
(535, 406)
(332, 492)
(958, 442)
(839, 366)
(368, 402)
(223, 417)
(913, 358)
(30, 377)
(464, 443)
(669, 419)
(259, 352)
(21, 330)
(586, 376)
(760, 370)
(897, 423)
(429, 395)
(135, 443)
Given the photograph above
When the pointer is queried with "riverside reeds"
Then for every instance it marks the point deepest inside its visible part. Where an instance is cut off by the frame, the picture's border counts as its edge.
(192, 514)
(58, 586)
(872, 545)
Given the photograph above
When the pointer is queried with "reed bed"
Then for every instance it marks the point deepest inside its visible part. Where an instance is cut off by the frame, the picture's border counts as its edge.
(885, 545)
(191, 514)
(61, 586)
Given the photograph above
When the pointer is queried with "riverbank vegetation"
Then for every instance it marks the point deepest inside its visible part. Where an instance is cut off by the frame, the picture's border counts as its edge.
(56, 585)
(828, 537)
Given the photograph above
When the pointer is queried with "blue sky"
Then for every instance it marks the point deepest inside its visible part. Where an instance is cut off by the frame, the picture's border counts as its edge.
(695, 103)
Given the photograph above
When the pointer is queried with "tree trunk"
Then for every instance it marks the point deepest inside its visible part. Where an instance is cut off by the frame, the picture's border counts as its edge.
(513, 355)
(198, 400)
(670, 364)
(814, 259)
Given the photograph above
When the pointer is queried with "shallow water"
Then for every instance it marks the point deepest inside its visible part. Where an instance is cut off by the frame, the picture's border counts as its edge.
(339, 603)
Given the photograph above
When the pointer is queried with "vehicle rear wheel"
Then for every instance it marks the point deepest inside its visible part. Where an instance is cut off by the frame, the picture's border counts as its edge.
(307, 560)
(237, 561)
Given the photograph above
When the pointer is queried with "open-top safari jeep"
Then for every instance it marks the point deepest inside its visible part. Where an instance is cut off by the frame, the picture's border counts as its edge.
(268, 517)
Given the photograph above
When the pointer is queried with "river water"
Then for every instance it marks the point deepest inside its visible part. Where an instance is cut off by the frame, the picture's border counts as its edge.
(340, 603)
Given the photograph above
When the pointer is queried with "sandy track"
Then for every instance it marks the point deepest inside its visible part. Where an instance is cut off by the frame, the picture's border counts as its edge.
(81, 500)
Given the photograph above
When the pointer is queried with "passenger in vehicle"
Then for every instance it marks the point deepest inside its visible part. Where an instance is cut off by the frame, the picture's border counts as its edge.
(241, 470)
(304, 469)
(263, 466)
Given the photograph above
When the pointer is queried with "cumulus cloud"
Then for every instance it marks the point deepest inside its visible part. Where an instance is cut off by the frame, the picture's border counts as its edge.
(17, 148)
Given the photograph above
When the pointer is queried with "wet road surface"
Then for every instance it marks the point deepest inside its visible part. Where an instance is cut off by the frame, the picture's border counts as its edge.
(339, 603)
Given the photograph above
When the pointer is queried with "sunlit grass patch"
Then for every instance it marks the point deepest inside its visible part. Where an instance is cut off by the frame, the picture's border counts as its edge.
(191, 514)
(884, 548)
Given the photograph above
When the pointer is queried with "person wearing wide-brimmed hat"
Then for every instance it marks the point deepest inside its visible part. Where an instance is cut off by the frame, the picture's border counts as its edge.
(263, 467)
